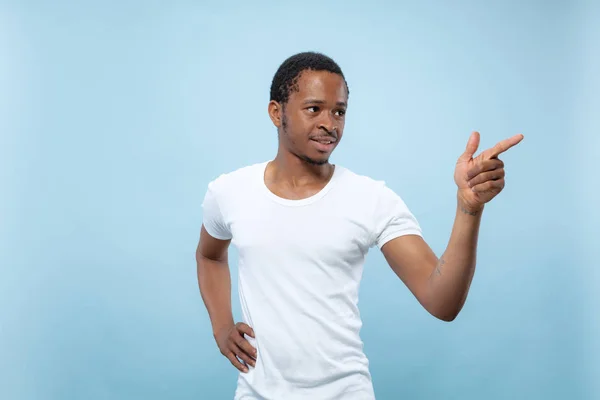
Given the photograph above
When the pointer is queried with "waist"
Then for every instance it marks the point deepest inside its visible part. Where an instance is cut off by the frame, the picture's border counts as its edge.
(301, 352)
(352, 383)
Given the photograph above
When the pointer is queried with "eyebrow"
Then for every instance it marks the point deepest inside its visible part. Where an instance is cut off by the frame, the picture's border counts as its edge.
(315, 101)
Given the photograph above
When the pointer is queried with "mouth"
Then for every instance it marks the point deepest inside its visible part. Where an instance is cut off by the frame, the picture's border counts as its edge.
(324, 144)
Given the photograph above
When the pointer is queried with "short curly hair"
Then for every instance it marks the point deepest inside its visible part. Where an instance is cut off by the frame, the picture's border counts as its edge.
(285, 80)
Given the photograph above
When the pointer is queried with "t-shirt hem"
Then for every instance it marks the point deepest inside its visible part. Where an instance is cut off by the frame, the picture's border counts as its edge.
(395, 235)
(212, 233)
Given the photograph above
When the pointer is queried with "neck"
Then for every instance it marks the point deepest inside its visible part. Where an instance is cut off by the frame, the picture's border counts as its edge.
(289, 168)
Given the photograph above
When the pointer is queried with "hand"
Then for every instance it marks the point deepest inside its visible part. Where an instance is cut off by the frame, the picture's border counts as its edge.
(480, 179)
(232, 343)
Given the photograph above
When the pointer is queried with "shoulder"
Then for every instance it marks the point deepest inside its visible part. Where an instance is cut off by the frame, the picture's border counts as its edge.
(361, 183)
(375, 192)
(236, 179)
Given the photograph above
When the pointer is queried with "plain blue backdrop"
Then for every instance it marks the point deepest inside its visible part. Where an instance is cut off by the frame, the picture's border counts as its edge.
(115, 115)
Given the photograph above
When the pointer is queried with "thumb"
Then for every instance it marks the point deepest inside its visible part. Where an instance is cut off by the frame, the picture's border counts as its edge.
(472, 146)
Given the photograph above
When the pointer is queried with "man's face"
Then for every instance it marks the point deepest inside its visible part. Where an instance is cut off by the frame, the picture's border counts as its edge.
(312, 121)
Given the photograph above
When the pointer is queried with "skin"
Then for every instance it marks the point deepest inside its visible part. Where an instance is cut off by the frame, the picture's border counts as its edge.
(301, 169)
(317, 109)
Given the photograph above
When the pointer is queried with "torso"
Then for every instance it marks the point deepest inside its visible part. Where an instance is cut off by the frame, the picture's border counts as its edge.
(300, 266)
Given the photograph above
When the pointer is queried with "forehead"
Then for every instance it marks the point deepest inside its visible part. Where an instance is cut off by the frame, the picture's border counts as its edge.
(324, 85)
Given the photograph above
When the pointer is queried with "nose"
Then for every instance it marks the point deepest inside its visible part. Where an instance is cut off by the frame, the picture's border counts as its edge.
(328, 123)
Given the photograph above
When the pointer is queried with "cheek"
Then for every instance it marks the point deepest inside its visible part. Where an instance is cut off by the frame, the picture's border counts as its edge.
(341, 130)
(303, 122)
(290, 135)
(300, 127)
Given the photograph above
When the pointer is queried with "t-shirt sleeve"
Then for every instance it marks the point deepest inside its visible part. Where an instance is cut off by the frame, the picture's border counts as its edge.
(392, 218)
(212, 218)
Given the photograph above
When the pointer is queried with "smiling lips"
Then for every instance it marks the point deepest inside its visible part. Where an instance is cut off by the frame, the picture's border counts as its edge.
(324, 139)
(324, 143)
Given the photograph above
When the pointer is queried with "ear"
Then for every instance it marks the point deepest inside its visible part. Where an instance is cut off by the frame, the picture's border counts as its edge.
(275, 113)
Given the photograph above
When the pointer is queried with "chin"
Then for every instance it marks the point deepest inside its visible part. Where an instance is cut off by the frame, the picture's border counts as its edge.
(316, 160)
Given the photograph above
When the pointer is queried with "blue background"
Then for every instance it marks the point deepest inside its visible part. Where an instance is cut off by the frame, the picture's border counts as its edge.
(115, 115)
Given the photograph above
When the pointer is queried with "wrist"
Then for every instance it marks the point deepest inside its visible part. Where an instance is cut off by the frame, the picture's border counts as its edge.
(470, 209)
(223, 327)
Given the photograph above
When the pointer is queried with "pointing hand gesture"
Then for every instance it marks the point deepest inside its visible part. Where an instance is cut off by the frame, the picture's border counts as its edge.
(480, 179)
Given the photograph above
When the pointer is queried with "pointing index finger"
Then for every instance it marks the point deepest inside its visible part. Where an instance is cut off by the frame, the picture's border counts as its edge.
(502, 146)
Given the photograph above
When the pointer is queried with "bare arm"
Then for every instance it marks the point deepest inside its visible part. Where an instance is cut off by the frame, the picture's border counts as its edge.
(214, 280)
(451, 279)
(440, 285)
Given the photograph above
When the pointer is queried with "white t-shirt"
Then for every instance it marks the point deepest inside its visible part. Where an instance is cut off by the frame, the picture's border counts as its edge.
(300, 266)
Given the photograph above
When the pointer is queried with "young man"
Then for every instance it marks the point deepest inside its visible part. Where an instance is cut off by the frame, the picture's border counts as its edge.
(303, 226)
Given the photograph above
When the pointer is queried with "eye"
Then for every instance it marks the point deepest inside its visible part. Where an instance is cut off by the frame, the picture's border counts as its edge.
(341, 113)
(313, 109)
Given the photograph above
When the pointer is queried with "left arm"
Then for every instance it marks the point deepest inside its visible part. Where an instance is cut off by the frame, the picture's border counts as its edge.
(441, 285)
